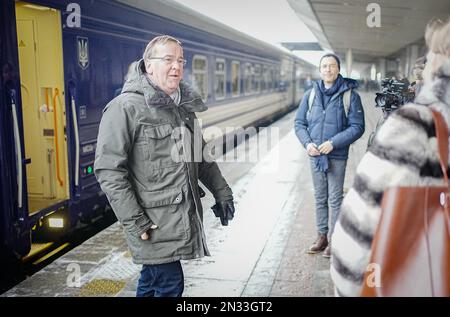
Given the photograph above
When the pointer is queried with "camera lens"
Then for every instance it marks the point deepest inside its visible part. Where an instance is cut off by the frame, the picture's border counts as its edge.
(380, 100)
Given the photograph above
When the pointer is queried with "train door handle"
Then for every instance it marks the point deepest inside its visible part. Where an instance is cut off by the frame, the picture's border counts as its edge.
(18, 148)
(27, 161)
(77, 141)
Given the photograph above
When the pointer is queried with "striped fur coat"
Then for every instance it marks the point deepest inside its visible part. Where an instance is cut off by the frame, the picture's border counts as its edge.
(404, 153)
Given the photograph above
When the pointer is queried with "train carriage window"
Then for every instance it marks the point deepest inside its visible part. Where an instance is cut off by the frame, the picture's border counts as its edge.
(248, 78)
(200, 76)
(220, 82)
(277, 78)
(257, 79)
(235, 78)
(271, 79)
(264, 79)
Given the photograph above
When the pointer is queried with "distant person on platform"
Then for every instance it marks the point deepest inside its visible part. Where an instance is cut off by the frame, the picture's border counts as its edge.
(326, 126)
(145, 165)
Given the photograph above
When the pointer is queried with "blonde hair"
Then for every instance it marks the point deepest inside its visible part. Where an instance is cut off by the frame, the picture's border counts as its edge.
(431, 27)
(162, 39)
(438, 44)
(437, 36)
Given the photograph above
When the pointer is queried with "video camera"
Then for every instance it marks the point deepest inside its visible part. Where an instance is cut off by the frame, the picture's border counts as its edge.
(393, 95)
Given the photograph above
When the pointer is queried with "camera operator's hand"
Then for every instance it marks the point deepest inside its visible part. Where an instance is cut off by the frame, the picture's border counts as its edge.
(312, 150)
(326, 147)
(224, 210)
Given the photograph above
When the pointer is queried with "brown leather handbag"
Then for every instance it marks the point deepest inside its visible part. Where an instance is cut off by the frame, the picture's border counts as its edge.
(411, 247)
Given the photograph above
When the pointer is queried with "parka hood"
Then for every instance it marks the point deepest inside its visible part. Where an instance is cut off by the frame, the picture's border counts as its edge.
(138, 83)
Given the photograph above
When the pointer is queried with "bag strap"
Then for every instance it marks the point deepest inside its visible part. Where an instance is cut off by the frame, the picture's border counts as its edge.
(442, 141)
(346, 100)
(312, 94)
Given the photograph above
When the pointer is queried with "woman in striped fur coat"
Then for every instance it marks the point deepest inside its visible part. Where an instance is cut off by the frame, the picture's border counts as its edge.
(403, 153)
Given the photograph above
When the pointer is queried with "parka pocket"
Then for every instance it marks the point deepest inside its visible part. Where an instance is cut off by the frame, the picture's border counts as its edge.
(159, 131)
(165, 208)
(163, 148)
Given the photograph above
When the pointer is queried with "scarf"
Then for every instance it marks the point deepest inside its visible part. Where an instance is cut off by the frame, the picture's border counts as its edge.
(321, 161)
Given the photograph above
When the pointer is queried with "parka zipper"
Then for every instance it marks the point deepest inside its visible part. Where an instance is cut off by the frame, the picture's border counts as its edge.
(177, 113)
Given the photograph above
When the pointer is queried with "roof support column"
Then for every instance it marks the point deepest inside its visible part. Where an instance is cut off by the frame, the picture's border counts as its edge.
(349, 62)
(413, 55)
(382, 67)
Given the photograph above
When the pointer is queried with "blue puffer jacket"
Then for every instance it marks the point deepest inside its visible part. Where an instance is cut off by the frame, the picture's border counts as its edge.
(330, 123)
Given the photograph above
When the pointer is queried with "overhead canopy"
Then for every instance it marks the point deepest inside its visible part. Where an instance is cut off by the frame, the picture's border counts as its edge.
(342, 24)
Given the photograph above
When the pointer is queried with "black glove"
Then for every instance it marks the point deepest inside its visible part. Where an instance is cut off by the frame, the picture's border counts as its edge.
(224, 210)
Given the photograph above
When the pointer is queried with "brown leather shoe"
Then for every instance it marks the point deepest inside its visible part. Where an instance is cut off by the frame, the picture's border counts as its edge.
(327, 252)
(319, 245)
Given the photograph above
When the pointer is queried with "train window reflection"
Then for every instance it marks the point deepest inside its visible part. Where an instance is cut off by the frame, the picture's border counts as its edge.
(271, 79)
(200, 76)
(257, 79)
(265, 79)
(220, 82)
(248, 78)
(235, 80)
(277, 78)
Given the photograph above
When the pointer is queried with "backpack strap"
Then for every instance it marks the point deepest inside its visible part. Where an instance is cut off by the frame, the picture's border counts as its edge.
(312, 95)
(346, 100)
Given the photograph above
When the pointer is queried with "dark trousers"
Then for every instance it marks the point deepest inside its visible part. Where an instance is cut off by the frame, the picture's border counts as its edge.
(161, 280)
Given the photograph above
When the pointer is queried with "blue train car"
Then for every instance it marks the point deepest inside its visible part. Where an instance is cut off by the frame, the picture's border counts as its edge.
(62, 62)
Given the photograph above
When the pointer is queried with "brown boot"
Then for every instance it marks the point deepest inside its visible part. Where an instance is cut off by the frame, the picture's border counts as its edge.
(319, 245)
(327, 252)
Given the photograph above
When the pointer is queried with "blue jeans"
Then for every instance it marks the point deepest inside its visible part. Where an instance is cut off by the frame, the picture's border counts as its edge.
(328, 188)
(161, 280)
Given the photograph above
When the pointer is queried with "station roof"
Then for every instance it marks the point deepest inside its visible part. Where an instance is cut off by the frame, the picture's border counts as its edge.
(341, 24)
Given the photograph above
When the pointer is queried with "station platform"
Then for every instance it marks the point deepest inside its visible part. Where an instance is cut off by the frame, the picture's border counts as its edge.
(262, 253)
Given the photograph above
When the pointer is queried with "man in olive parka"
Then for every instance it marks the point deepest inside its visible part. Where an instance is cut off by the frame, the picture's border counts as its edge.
(145, 163)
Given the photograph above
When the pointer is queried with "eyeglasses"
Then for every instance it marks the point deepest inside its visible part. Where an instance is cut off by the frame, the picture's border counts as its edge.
(168, 60)
(331, 66)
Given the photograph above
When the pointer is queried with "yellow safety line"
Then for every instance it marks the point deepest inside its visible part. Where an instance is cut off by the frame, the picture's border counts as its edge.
(45, 257)
(33, 252)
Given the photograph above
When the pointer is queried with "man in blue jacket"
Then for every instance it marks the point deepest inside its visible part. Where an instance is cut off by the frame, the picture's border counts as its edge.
(329, 119)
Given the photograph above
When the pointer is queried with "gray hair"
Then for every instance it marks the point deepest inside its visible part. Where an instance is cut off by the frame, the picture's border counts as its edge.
(163, 39)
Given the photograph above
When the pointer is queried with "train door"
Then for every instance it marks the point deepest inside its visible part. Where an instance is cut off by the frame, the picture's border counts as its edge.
(39, 41)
